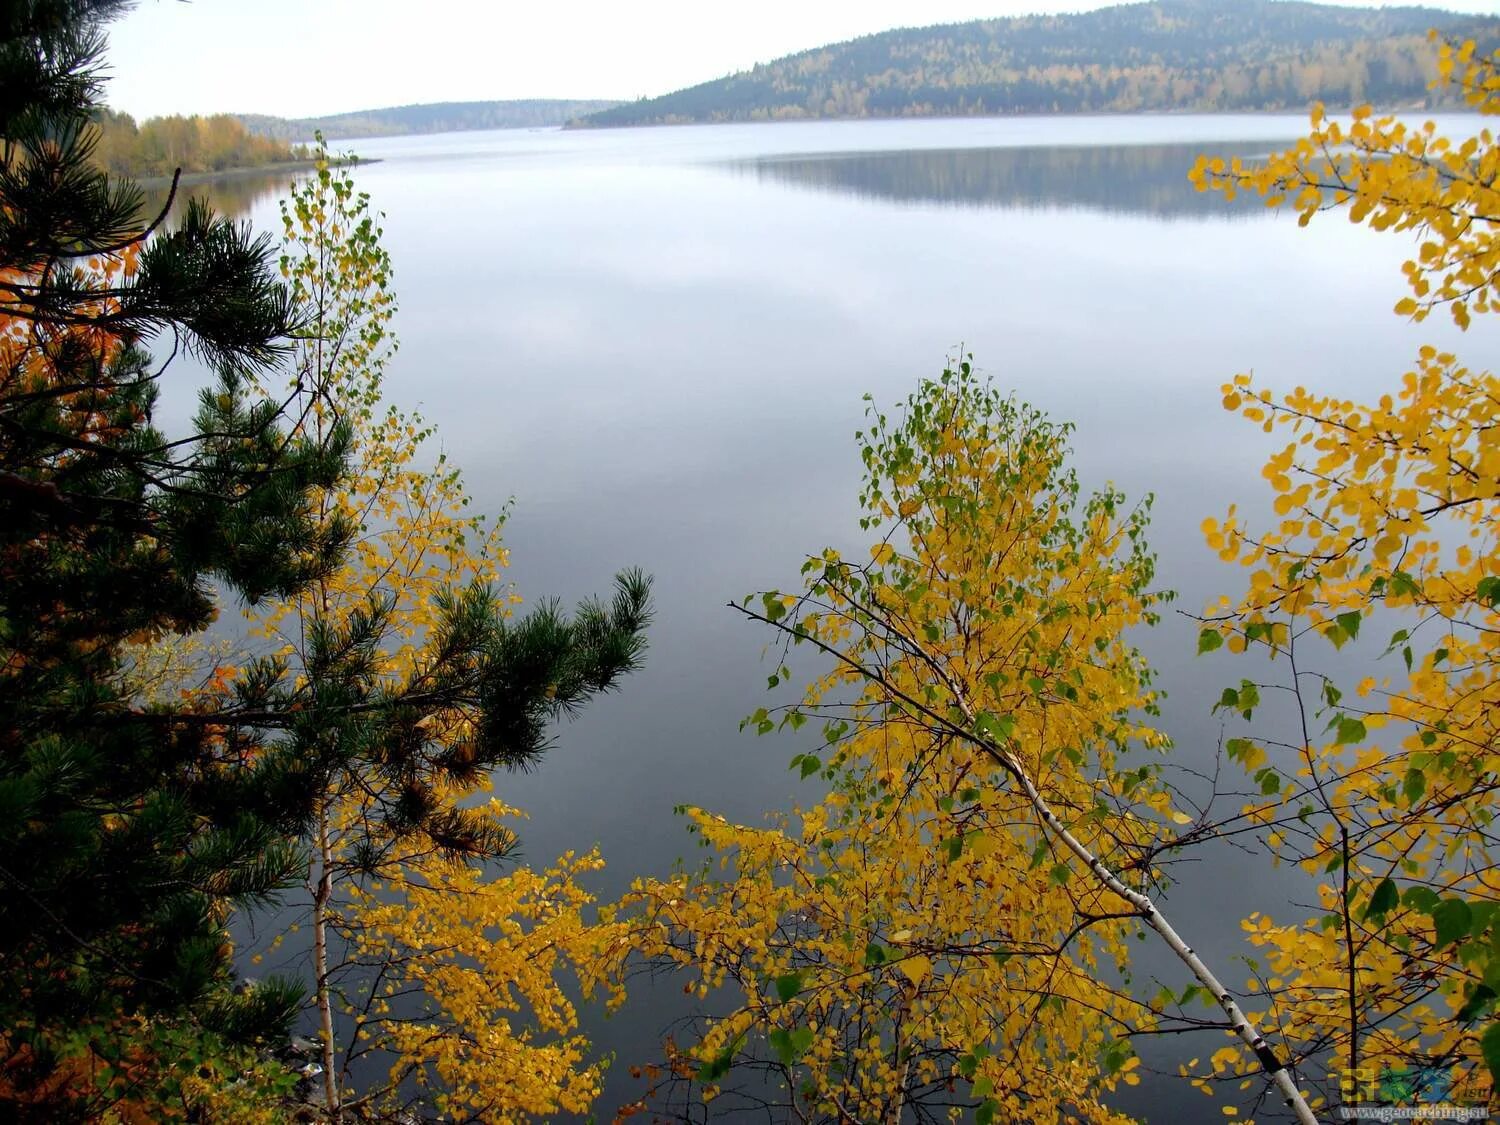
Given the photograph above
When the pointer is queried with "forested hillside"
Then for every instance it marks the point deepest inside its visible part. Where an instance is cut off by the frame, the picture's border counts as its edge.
(437, 117)
(1163, 55)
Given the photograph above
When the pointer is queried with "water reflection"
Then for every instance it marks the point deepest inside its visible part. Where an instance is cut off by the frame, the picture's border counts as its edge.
(708, 335)
(1116, 179)
(232, 195)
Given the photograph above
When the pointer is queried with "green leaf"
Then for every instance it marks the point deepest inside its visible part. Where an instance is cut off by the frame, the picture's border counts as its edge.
(718, 1066)
(781, 1042)
(1451, 918)
(1422, 899)
(1209, 640)
(1481, 999)
(1116, 1054)
(1403, 584)
(1489, 1046)
(774, 610)
(788, 986)
(1414, 785)
(996, 727)
(790, 1045)
(1249, 698)
(985, 1114)
(1488, 591)
(875, 955)
(1039, 853)
(1349, 623)
(1383, 900)
(810, 765)
(1350, 731)
(1260, 631)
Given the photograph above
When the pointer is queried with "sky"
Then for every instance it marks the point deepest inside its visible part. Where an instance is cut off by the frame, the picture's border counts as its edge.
(306, 58)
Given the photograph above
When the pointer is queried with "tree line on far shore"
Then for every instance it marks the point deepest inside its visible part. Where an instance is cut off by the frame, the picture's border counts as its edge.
(158, 146)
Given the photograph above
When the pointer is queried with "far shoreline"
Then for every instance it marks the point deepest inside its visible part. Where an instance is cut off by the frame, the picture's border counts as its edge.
(583, 125)
(189, 178)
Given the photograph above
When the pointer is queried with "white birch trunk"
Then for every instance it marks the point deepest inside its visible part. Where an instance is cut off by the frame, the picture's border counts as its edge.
(321, 895)
(1243, 1027)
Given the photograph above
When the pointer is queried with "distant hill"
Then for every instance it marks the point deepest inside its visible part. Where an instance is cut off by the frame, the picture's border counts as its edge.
(438, 117)
(1163, 55)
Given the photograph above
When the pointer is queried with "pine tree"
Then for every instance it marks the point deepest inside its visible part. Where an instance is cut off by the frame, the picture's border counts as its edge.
(131, 829)
(125, 838)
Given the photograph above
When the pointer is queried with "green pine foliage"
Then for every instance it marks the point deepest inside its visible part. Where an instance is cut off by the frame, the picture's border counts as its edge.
(121, 848)
(131, 830)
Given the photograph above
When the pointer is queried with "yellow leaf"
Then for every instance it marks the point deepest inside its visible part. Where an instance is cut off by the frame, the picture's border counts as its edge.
(917, 969)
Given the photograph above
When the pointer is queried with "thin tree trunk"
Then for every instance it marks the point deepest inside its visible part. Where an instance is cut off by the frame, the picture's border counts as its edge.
(1274, 1068)
(322, 893)
(1270, 1062)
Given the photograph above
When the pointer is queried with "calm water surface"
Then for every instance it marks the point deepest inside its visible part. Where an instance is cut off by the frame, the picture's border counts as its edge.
(657, 341)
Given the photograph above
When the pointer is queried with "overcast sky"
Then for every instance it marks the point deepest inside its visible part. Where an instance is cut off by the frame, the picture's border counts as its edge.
(303, 58)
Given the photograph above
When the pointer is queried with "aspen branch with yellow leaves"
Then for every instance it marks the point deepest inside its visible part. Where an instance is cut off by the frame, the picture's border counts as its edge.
(949, 926)
(1388, 518)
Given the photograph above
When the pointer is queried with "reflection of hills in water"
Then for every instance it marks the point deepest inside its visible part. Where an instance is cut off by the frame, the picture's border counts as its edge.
(1131, 179)
(233, 195)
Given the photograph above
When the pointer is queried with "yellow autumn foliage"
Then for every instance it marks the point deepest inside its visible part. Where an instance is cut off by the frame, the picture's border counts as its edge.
(916, 936)
(497, 1038)
(444, 967)
(1389, 515)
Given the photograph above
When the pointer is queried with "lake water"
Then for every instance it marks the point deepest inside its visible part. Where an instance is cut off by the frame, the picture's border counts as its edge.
(657, 341)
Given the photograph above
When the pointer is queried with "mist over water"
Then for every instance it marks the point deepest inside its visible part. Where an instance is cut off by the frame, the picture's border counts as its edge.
(657, 341)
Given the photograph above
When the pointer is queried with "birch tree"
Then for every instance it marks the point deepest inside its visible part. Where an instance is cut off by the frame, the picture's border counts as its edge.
(949, 927)
(418, 683)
